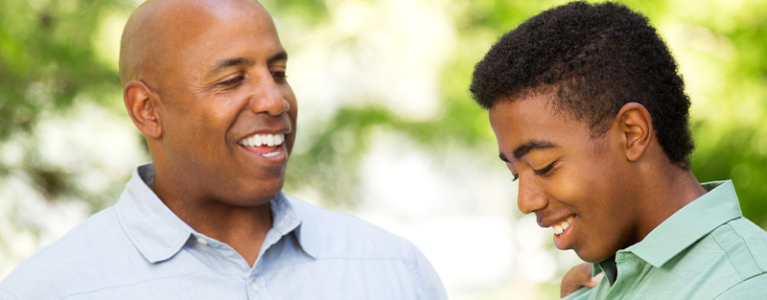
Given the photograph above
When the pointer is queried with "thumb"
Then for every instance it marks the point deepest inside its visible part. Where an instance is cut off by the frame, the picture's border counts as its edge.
(575, 279)
(595, 280)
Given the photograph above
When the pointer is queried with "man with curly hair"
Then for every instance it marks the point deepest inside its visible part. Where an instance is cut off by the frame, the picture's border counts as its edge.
(591, 117)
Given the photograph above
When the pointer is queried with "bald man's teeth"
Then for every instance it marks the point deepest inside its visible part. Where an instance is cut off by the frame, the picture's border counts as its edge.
(258, 140)
(271, 154)
(560, 227)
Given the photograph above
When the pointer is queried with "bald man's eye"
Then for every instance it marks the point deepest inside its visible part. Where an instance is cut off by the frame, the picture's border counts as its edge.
(279, 76)
(232, 82)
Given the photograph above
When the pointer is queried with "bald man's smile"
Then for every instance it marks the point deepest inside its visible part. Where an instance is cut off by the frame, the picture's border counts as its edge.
(267, 146)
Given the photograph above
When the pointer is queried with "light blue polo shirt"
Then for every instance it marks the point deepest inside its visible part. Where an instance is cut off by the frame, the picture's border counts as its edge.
(139, 249)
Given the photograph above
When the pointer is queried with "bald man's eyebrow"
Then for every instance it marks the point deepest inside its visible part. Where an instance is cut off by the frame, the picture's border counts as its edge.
(503, 158)
(525, 148)
(282, 55)
(233, 62)
(227, 63)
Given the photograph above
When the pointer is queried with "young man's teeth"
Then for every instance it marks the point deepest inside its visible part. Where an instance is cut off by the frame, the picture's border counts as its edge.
(560, 227)
(257, 140)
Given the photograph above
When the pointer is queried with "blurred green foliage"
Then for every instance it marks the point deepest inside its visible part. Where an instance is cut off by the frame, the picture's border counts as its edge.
(49, 56)
(47, 59)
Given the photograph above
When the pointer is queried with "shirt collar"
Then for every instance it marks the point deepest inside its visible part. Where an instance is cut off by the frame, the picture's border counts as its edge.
(689, 224)
(287, 218)
(307, 232)
(159, 234)
(152, 227)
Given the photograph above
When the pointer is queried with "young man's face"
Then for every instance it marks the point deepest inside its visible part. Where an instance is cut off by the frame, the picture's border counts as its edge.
(575, 184)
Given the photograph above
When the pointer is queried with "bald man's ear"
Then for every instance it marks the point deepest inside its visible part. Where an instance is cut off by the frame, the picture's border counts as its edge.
(635, 126)
(142, 102)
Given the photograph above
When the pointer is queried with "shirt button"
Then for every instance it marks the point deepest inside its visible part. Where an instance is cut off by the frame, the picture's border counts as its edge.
(255, 286)
(202, 241)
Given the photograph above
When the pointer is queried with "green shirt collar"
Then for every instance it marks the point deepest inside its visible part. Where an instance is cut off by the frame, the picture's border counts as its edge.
(691, 223)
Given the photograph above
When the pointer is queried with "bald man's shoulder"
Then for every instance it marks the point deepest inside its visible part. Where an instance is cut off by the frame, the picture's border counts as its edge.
(63, 268)
(330, 255)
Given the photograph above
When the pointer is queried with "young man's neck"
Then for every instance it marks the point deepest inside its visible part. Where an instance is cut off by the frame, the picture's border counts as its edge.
(666, 191)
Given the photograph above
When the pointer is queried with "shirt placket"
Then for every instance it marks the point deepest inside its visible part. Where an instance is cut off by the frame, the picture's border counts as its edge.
(226, 260)
(257, 288)
(256, 285)
(628, 266)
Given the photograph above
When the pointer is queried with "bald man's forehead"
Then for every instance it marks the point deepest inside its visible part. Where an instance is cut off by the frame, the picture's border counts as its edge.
(161, 30)
(220, 9)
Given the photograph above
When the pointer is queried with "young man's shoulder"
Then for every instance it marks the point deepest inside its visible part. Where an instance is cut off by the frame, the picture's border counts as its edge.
(745, 245)
(729, 259)
(754, 288)
(749, 231)
(69, 263)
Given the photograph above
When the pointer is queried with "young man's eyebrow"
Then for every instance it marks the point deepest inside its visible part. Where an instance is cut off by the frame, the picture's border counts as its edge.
(503, 158)
(525, 148)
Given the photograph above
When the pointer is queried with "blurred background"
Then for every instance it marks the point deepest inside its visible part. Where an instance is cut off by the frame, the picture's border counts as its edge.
(387, 129)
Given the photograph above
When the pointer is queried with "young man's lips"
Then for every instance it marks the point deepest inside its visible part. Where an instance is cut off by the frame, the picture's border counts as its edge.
(563, 232)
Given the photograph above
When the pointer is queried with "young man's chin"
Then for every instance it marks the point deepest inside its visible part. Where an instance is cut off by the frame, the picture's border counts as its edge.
(589, 255)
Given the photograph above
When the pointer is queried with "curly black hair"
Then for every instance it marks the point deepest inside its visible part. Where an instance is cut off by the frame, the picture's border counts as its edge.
(596, 58)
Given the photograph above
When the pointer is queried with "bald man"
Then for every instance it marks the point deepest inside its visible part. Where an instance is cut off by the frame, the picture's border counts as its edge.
(204, 81)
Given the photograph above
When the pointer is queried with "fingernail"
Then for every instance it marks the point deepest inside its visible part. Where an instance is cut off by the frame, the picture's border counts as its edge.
(598, 278)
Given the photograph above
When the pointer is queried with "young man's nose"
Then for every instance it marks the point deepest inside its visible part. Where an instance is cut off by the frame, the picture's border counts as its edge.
(530, 197)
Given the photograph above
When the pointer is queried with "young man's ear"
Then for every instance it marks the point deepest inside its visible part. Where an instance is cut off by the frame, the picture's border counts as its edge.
(141, 103)
(635, 126)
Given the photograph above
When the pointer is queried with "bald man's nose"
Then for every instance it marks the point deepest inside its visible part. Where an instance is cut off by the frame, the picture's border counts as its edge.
(267, 98)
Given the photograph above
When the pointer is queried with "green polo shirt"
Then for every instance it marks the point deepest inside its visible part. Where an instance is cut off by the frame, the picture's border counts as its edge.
(706, 250)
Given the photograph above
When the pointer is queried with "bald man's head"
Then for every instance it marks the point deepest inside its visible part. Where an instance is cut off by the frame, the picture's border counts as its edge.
(158, 29)
(202, 80)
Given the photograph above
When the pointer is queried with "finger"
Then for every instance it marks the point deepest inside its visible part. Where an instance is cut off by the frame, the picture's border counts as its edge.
(595, 280)
(575, 279)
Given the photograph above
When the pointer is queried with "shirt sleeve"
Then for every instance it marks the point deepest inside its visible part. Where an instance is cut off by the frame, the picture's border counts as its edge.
(754, 288)
(6, 295)
(581, 294)
(431, 285)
